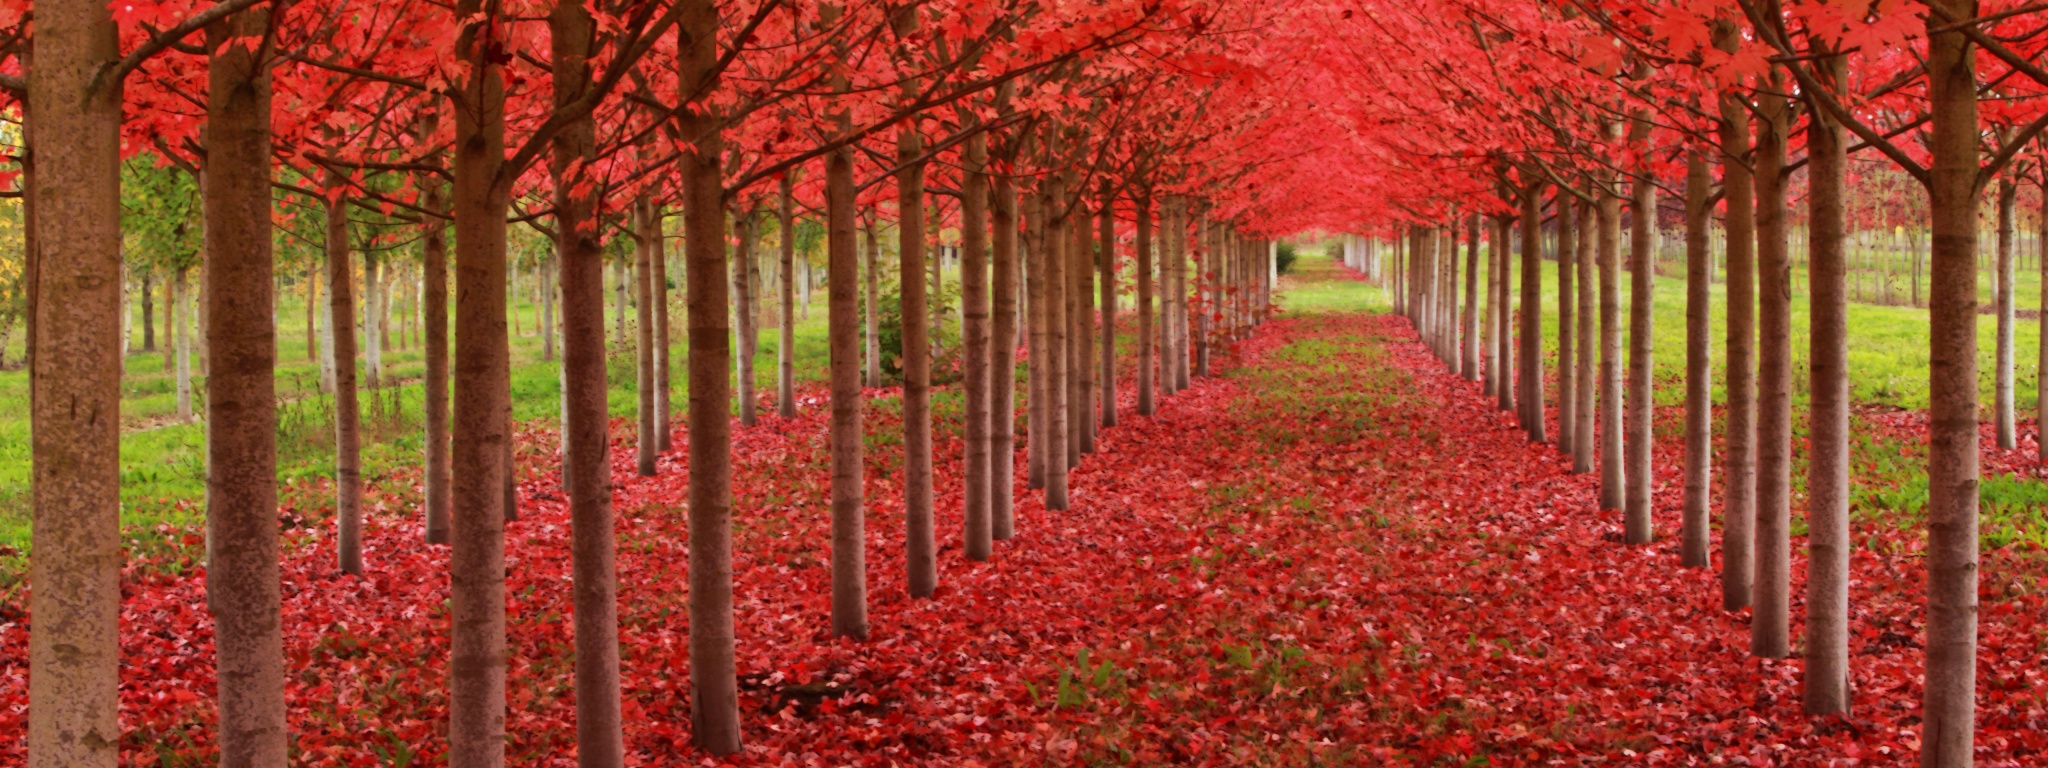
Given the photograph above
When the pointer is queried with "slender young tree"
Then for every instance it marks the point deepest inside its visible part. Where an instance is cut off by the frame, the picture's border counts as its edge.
(482, 398)
(843, 343)
(1037, 359)
(241, 396)
(1474, 370)
(600, 742)
(1770, 623)
(785, 340)
(434, 274)
(1590, 227)
(1567, 382)
(1105, 264)
(745, 312)
(646, 229)
(1529, 368)
(921, 548)
(1143, 202)
(873, 315)
(348, 467)
(979, 534)
(1738, 492)
(1642, 245)
(2004, 421)
(714, 682)
(1699, 377)
(1611, 463)
(1826, 681)
(1002, 394)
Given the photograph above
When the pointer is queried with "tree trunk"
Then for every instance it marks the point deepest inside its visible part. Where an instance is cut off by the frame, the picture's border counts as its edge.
(714, 684)
(1503, 316)
(843, 332)
(1081, 305)
(1826, 682)
(1738, 493)
(546, 272)
(348, 467)
(1529, 368)
(241, 398)
(785, 344)
(1639, 402)
(1490, 345)
(743, 311)
(1770, 623)
(1473, 349)
(149, 312)
(1178, 258)
(664, 429)
(921, 548)
(978, 536)
(2041, 363)
(646, 240)
(181, 339)
(873, 315)
(1952, 473)
(1693, 550)
(73, 266)
(1567, 383)
(313, 347)
(1203, 311)
(1611, 463)
(600, 742)
(1002, 395)
(1037, 370)
(375, 336)
(1057, 362)
(1143, 201)
(482, 396)
(434, 265)
(1105, 260)
(1590, 227)
(2003, 418)
(620, 301)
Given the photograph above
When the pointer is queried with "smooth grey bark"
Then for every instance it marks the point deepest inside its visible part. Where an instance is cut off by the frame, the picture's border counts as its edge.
(1583, 411)
(1738, 492)
(714, 682)
(1637, 524)
(1474, 370)
(1770, 596)
(241, 397)
(1529, 369)
(1948, 733)
(1694, 544)
(1567, 380)
(348, 467)
(1610, 430)
(2003, 409)
(1825, 685)
(1105, 263)
(785, 344)
(1143, 203)
(1003, 363)
(978, 534)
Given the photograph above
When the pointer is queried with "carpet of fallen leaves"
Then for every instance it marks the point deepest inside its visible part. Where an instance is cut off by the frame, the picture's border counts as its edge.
(1337, 553)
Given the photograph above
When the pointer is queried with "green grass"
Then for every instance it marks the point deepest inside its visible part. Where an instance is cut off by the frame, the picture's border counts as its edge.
(1888, 354)
(163, 460)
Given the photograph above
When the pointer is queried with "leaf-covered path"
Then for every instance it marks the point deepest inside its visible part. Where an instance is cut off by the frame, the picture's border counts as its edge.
(1335, 553)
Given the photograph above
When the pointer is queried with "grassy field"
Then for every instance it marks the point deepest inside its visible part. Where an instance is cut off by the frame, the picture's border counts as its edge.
(1888, 357)
(163, 460)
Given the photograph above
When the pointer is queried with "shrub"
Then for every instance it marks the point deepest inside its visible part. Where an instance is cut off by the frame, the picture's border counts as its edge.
(1285, 257)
